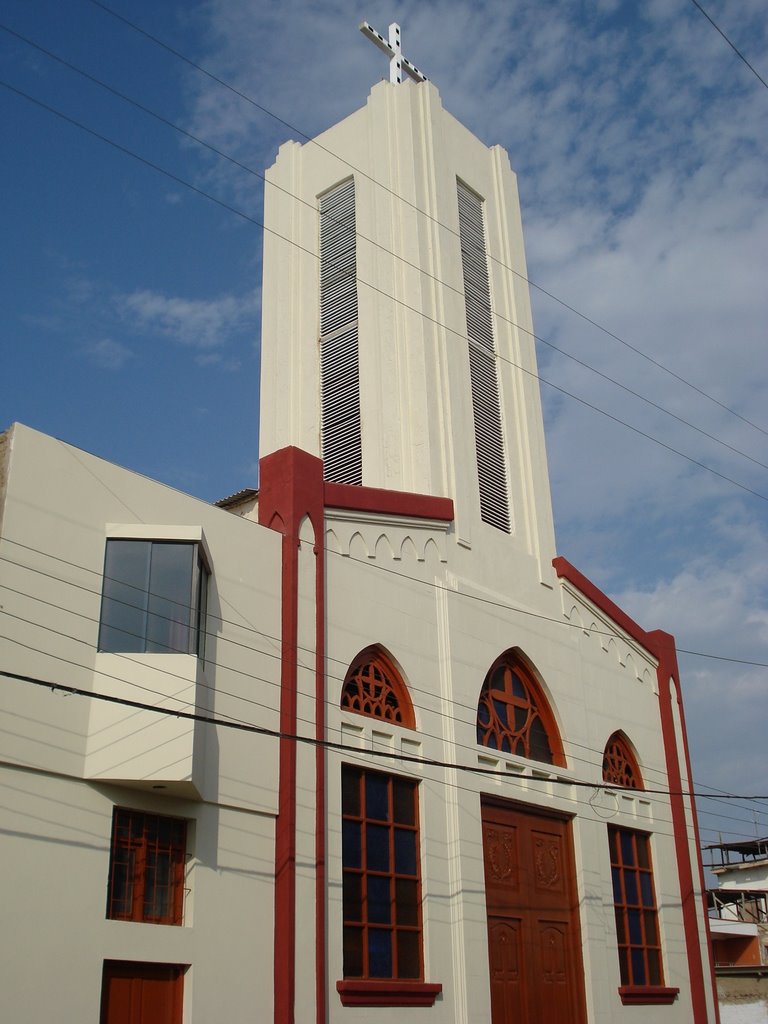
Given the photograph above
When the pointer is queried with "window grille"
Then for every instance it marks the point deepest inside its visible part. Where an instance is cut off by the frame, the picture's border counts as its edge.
(619, 765)
(374, 687)
(339, 350)
(483, 370)
(637, 926)
(146, 871)
(381, 876)
(514, 717)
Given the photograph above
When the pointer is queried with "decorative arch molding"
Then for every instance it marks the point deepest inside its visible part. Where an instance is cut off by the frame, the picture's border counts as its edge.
(514, 716)
(374, 686)
(620, 765)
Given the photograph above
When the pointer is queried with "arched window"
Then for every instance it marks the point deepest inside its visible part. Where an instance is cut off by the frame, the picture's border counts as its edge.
(620, 767)
(373, 686)
(513, 714)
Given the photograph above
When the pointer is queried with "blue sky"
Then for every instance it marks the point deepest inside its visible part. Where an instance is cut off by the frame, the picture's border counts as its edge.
(131, 304)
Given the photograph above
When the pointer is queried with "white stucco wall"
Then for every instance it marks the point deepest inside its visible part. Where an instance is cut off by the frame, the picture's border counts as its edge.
(66, 761)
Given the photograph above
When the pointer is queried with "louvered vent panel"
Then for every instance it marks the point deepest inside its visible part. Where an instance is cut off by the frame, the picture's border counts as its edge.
(486, 407)
(339, 364)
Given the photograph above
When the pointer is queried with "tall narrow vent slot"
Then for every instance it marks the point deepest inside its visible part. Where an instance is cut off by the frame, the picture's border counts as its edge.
(339, 364)
(483, 373)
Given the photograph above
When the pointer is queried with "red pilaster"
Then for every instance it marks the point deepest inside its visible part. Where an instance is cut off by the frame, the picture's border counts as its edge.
(290, 488)
(662, 646)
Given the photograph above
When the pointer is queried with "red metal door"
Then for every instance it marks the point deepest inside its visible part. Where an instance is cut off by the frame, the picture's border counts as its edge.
(534, 940)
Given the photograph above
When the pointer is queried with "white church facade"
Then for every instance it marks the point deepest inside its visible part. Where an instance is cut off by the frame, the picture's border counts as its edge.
(357, 746)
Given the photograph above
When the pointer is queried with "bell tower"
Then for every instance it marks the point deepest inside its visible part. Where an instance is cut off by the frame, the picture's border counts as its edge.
(397, 337)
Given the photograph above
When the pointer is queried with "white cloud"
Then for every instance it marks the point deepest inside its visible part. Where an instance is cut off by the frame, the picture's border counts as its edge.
(109, 354)
(640, 142)
(197, 323)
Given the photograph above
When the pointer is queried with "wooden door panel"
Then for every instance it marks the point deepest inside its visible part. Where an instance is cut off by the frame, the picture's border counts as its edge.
(549, 876)
(534, 938)
(141, 993)
(506, 962)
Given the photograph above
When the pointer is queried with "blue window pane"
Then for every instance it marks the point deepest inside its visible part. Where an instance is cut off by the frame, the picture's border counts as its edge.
(638, 968)
(654, 967)
(379, 953)
(377, 847)
(539, 742)
(635, 928)
(353, 952)
(379, 900)
(627, 848)
(124, 598)
(351, 844)
(497, 681)
(646, 888)
(377, 797)
(618, 896)
(642, 852)
(520, 719)
(630, 887)
(518, 689)
(408, 964)
(353, 902)
(403, 805)
(170, 598)
(350, 791)
(153, 596)
(624, 967)
(407, 901)
(405, 852)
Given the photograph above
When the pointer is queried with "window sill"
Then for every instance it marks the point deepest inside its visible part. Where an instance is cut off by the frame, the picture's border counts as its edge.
(357, 992)
(636, 995)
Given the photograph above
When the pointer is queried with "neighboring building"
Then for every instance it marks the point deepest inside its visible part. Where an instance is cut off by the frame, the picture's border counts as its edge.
(738, 912)
(461, 798)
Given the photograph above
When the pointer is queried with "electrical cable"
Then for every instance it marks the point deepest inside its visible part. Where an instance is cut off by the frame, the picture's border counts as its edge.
(343, 747)
(374, 288)
(219, 690)
(372, 565)
(735, 49)
(364, 238)
(265, 110)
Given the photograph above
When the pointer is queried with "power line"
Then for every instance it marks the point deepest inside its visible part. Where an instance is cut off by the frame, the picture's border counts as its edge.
(360, 236)
(265, 110)
(436, 737)
(504, 606)
(735, 49)
(458, 704)
(380, 291)
(343, 747)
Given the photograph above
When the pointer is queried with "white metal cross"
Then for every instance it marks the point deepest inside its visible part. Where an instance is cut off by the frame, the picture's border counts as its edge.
(398, 64)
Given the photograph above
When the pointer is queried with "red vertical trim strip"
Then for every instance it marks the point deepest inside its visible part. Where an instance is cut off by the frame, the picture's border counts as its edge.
(702, 884)
(321, 972)
(290, 488)
(663, 646)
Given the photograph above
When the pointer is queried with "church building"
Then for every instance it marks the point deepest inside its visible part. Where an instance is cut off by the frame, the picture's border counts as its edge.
(359, 745)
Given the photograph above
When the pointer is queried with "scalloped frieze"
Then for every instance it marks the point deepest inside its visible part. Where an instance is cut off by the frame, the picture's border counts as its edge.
(388, 542)
(625, 654)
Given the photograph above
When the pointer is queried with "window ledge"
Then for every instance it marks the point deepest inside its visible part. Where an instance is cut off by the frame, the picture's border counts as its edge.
(358, 992)
(635, 995)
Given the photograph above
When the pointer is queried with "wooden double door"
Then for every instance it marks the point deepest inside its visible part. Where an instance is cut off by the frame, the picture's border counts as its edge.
(534, 938)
